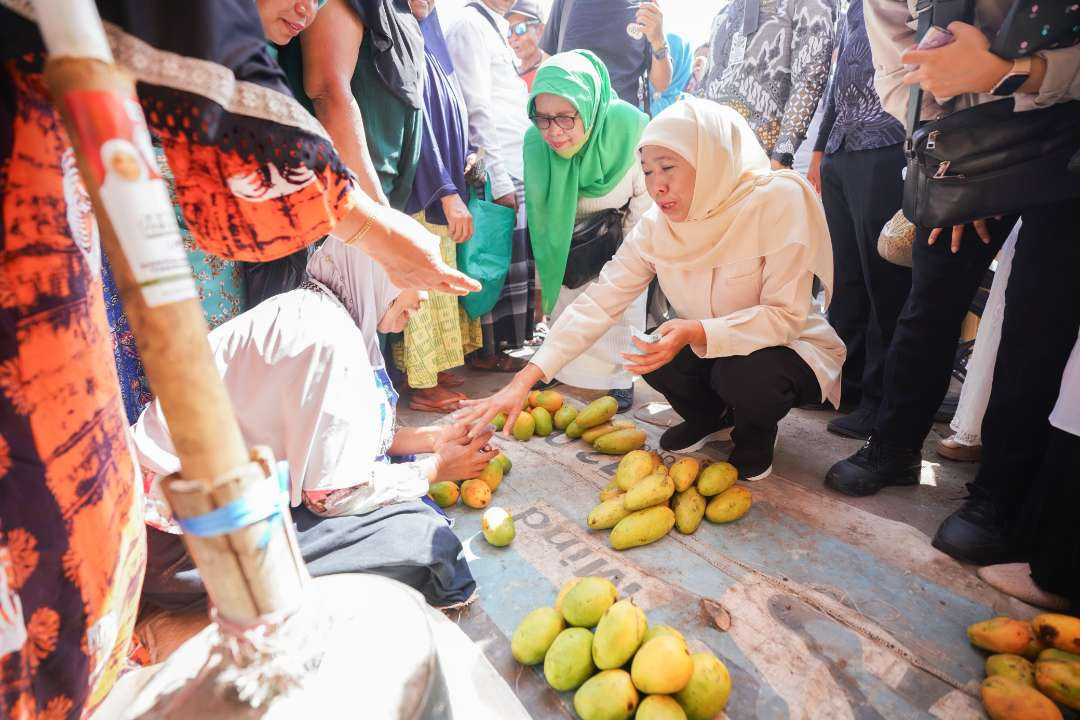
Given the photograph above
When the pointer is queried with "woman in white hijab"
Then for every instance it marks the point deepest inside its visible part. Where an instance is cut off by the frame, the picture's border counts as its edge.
(306, 378)
(734, 247)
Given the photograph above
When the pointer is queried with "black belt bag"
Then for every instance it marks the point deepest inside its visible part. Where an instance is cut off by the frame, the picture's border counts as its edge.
(595, 239)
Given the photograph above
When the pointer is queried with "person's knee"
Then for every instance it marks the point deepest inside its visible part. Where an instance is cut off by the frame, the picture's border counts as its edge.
(740, 380)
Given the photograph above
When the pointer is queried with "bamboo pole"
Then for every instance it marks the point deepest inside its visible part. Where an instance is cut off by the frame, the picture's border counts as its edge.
(244, 577)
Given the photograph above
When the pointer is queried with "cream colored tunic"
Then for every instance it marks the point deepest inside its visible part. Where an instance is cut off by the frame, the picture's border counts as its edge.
(744, 306)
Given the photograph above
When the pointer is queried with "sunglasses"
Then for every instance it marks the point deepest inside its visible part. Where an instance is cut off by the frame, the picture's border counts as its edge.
(543, 122)
(521, 28)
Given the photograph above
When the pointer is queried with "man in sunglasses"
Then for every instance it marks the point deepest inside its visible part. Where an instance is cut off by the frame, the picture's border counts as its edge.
(526, 29)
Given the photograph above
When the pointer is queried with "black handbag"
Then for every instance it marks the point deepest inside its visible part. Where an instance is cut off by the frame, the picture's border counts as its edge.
(595, 239)
(985, 160)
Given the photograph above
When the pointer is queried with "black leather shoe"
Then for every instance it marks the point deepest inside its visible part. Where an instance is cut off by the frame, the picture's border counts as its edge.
(875, 466)
(974, 534)
(858, 424)
(624, 398)
(688, 436)
(754, 462)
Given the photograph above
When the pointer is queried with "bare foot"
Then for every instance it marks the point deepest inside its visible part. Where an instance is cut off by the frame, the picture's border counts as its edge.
(1014, 579)
(450, 380)
(436, 397)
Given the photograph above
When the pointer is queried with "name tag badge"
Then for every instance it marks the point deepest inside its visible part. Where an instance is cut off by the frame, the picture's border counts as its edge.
(738, 49)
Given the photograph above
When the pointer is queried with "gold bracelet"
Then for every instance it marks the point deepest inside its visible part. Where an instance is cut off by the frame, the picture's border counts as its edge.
(359, 235)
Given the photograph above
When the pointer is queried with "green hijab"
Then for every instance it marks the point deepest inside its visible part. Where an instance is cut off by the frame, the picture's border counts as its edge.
(553, 183)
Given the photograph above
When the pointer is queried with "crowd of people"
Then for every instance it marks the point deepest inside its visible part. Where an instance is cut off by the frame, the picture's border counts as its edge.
(655, 228)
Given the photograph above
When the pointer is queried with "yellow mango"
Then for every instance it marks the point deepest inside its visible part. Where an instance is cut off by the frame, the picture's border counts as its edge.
(662, 666)
(598, 412)
(445, 493)
(492, 474)
(611, 490)
(475, 493)
(563, 591)
(532, 397)
(689, 507)
(524, 426)
(1011, 666)
(573, 430)
(661, 470)
(497, 527)
(624, 424)
(684, 472)
(499, 421)
(1001, 635)
(568, 662)
(550, 400)
(729, 505)
(620, 442)
(607, 514)
(505, 462)
(660, 707)
(618, 635)
(1006, 699)
(542, 421)
(535, 634)
(634, 466)
(662, 631)
(1057, 675)
(717, 478)
(608, 695)
(564, 416)
(657, 460)
(1058, 631)
(653, 490)
(593, 433)
(642, 527)
(705, 696)
(586, 602)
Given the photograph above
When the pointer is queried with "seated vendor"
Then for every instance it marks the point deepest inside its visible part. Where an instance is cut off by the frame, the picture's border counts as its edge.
(734, 247)
(306, 379)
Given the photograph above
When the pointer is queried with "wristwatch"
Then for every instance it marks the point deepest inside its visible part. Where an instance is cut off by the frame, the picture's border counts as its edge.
(661, 53)
(1017, 76)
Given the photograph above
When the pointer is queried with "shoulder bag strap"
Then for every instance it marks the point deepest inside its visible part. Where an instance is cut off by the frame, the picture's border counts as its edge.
(491, 21)
(924, 10)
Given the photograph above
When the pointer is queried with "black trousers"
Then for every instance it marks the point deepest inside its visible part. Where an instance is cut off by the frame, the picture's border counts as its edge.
(861, 190)
(761, 388)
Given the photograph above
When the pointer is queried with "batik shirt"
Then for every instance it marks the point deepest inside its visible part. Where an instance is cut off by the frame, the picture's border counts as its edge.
(773, 71)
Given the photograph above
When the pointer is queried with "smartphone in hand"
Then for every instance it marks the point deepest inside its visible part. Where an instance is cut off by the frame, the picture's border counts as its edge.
(935, 37)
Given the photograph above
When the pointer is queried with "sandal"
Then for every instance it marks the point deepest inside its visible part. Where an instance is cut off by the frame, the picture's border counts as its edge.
(500, 363)
(450, 380)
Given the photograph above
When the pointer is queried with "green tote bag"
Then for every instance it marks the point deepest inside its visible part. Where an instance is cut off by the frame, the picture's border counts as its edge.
(485, 256)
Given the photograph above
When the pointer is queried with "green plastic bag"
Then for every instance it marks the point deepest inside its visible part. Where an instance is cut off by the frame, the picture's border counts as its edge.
(485, 256)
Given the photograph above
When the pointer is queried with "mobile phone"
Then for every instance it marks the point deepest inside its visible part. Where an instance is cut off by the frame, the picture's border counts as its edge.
(643, 337)
(936, 37)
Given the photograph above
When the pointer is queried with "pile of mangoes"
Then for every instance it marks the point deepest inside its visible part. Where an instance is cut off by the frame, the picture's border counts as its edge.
(647, 499)
(612, 668)
(475, 492)
(1035, 664)
(546, 411)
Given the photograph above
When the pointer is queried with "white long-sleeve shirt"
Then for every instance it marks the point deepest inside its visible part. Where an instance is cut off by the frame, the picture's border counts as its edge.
(495, 96)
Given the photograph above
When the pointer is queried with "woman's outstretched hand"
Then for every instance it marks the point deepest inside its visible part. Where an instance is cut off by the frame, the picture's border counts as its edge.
(461, 457)
(477, 414)
(674, 336)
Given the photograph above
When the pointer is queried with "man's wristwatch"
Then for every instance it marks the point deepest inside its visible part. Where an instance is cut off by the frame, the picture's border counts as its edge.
(1017, 76)
(661, 53)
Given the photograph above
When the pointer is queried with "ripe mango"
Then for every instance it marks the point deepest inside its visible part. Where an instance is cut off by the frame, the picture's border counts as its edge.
(505, 462)
(1033, 648)
(498, 527)
(607, 514)
(550, 400)
(663, 631)
(492, 474)
(642, 527)
(689, 507)
(729, 505)
(662, 666)
(610, 490)
(608, 695)
(635, 465)
(1057, 675)
(475, 493)
(653, 490)
(524, 426)
(657, 460)
(535, 634)
(564, 416)
(717, 478)
(562, 593)
(1006, 699)
(568, 662)
(573, 430)
(1013, 667)
(593, 433)
(620, 441)
(661, 470)
(707, 692)
(532, 398)
(618, 635)
(542, 421)
(499, 421)
(1001, 635)
(1058, 631)
(587, 601)
(684, 472)
(445, 493)
(598, 412)
(660, 707)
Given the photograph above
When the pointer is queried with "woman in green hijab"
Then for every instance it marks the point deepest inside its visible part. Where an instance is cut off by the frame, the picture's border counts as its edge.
(580, 160)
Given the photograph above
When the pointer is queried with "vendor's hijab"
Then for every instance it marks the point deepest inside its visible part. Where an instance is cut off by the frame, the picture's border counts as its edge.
(682, 69)
(741, 208)
(398, 46)
(554, 183)
(361, 285)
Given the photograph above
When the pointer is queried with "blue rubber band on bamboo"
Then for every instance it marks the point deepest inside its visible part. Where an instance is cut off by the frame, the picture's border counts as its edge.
(263, 501)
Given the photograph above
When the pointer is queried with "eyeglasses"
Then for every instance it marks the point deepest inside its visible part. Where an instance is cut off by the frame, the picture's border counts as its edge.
(521, 28)
(543, 122)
